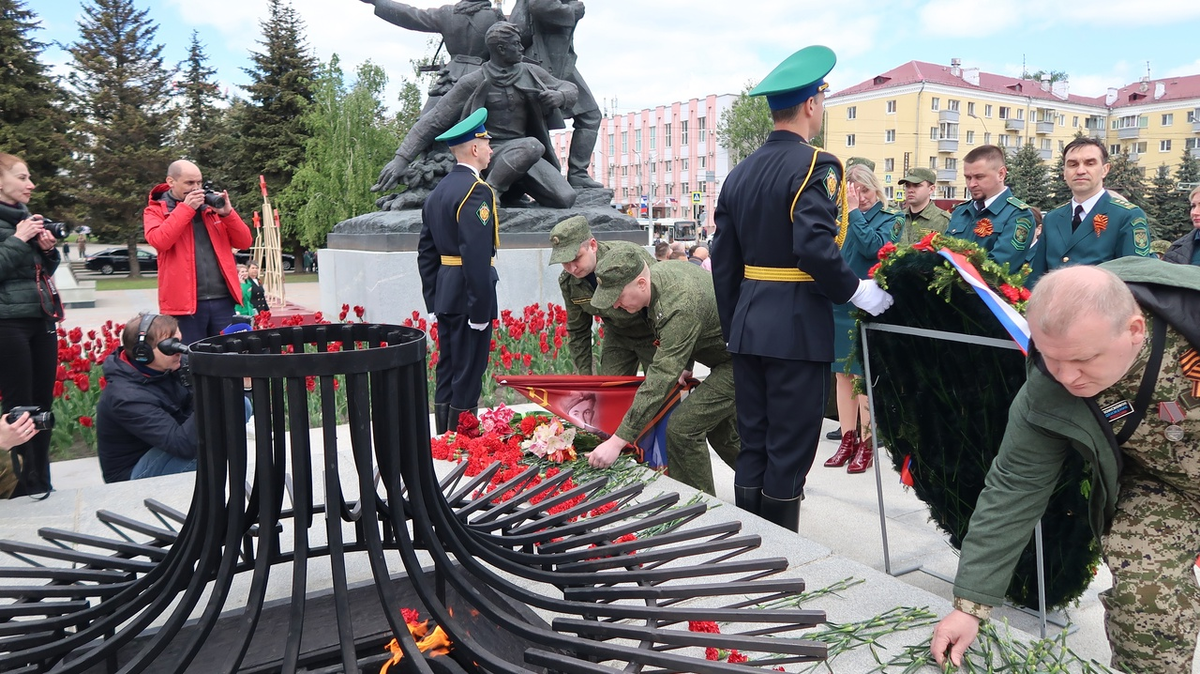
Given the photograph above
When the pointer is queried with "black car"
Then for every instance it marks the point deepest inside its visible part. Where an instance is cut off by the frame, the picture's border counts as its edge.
(244, 257)
(117, 259)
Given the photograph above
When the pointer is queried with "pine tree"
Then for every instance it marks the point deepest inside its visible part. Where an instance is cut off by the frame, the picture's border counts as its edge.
(1176, 218)
(745, 125)
(271, 134)
(1059, 191)
(33, 116)
(1158, 204)
(350, 139)
(122, 110)
(203, 139)
(1125, 178)
(1029, 178)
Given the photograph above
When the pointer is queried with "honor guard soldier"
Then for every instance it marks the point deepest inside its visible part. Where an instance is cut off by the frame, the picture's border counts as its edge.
(921, 215)
(628, 340)
(459, 238)
(676, 297)
(996, 220)
(1095, 226)
(777, 271)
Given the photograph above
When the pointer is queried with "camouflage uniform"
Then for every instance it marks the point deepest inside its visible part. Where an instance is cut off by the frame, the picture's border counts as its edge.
(683, 314)
(628, 339)
(916, 225)
(1152, 612)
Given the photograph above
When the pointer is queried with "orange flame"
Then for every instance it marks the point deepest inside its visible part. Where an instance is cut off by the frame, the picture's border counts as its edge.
(432, 643)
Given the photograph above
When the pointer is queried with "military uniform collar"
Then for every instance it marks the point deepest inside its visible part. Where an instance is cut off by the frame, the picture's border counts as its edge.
(987, 203)
(779, 134)
(924, 213)
(1089, 204)
(470, 168)
(873, 210)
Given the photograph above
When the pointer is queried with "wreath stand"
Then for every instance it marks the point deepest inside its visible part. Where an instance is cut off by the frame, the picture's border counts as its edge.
(1057, 618)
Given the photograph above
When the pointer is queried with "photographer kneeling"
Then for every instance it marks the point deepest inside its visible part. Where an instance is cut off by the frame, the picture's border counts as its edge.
(145, 425)
(12, 434)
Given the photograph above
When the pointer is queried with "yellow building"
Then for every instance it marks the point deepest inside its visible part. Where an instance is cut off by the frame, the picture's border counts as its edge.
(930, 115)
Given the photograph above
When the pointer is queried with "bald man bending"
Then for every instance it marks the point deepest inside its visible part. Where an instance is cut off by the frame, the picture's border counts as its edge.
(1100, 336)
(197, 276)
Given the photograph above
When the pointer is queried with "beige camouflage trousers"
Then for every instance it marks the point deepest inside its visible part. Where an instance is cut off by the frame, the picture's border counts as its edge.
(1152, 612)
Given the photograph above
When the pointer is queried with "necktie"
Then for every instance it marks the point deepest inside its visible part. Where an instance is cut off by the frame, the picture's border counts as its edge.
(980, 204)
(1077, 218)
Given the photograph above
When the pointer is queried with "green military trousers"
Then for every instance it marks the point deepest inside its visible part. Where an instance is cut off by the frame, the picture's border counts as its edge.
(707, 415)
(1152, 612)
(621, 357)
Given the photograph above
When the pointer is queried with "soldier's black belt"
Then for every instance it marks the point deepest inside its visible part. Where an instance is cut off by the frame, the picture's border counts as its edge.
(456, 261)
(784, 274)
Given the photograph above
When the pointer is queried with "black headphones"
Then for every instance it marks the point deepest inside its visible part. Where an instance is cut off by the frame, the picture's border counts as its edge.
(143, 351)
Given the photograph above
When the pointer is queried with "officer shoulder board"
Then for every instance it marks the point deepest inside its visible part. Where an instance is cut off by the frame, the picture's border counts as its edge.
(1018, 203)
(1121, 203)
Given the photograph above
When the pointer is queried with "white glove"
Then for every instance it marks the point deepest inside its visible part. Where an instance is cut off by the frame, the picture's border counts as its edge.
(481, 326)
(432, 317)
(871, 298)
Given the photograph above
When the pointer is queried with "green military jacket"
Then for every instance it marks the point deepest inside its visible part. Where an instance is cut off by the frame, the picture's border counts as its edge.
(1007, 233)
(916, 225)
(618, 324)
(1045, 422)
(1124, 232)
(683, 315)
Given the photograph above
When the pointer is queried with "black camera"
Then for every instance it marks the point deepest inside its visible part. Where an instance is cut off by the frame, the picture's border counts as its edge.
(58, 229)
(171, 346)
(213, 197)
(43, 420)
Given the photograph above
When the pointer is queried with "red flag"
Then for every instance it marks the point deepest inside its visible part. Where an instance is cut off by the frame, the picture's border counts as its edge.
(906, 477)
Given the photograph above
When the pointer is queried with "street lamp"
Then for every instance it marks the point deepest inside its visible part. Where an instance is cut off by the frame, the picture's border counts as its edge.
(649, 194)
(981, 122)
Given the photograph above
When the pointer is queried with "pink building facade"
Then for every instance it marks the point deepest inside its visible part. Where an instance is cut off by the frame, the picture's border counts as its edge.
(669, 155)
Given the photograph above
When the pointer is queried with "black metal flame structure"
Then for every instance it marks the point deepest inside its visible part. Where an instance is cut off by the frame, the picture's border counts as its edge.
(157, 595)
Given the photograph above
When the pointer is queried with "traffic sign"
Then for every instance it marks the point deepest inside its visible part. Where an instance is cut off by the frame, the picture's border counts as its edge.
(695, 197)
(645, 201)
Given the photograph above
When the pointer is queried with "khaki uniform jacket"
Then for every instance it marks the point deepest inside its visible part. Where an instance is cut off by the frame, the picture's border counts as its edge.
(930, 218)
(618, 324)
(1045, 422)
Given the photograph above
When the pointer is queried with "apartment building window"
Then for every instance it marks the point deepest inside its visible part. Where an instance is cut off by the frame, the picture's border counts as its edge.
(653, 167)
(933, 163)
(970, 138)
(1005, 111)
(933, 133)
(683, 189)
(704, 188)
(891, 107)
(1020, 113)
(1046, 144)
(947, 131)
(951, 164)
(1191, 117)
(683, 164)
(612, 144)
(683, 132)
(1168, 119)
(1062, 120)
(1164, 146)
(987, 110)
(949, 192)
(889, 165)
(852, 112)
(849, 140)
(637, 142)
(1192, 143)
(1114, 149)
(987, 138)
(667, 135)
(1005, 140)
(701, 161)
(653, 137)
(670, 189)
(1132, 122)
(889, 136)
(935, 103)
(889, 192)
(970, 109)
(1137, 148)
(952, 104)
(702, 124)
(624, 142)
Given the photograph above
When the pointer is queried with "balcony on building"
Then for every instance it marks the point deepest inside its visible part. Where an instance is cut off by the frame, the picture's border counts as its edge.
(1014, 124)
(947, 175)
(1196, 123)
(1135, 156)
(1046, 155)
(1195, 152)
(1044, 128)
(950, 116)
(947, 145)
(1129, 133)
(1094, 126)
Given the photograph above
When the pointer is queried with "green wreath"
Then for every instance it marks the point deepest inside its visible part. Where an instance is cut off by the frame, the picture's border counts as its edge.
(941, 407)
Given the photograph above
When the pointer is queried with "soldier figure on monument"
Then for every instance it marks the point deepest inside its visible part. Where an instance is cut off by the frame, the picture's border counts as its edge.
(462, 27)
(548, 35)
(521, 100)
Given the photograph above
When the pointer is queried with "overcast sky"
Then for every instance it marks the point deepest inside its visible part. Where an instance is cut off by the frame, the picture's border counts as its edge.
(640, 53)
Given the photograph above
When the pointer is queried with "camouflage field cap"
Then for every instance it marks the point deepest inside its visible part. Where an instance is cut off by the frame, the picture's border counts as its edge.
(919, 175)
(566, 238)
(613, 273)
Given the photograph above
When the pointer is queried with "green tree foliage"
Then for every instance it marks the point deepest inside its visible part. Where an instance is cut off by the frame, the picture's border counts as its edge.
(1060, 193)
(350, 138)
(1055, 75)
(204, 137)
(1125, 177)
(745, 125)
(33, 117)
(1175, 217)
(123, 115)
(1158, 203)
(271, 131)
(1029, 178)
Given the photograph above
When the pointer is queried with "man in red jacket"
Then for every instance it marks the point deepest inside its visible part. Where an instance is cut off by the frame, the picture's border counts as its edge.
(197, 277)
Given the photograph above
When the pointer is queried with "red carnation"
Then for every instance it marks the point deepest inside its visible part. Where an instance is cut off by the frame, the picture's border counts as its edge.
(872, 270)
(1010, 293)
(926, 243)
(706, 626)
(886, 250)
(410, 616)
(735, 657)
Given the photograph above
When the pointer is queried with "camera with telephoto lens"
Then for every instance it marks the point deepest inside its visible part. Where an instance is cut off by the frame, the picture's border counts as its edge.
(43, 420)
(213, 196)
(57, 229)
(171, 346)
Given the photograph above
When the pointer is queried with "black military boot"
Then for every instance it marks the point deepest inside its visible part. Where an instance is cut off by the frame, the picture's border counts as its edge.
(441, 417)
(784, 512)
(748, 498)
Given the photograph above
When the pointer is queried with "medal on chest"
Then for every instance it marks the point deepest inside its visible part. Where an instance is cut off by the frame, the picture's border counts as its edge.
(1171, 413)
